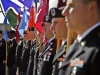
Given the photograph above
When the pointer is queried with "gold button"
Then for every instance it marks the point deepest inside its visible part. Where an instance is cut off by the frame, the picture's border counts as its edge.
(44, 59)
(83, 43)
(38, 65)
(53, 66)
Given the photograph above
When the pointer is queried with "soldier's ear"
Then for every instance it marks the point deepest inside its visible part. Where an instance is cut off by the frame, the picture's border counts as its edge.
(93, 6)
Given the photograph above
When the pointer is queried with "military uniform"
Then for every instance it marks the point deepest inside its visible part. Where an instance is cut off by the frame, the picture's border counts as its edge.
(18, 52)
(45, 58)
(36, 53)
(83, 57)
(25, 57)
(2, 55)
(31, 59)
(58, 59)
(11, 49)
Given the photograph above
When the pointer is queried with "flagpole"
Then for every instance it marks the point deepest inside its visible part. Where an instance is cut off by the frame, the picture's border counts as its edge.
(70, 40)
(6, 60)
(5, 34)
(35, 6)
(2, 11)
(58, 45)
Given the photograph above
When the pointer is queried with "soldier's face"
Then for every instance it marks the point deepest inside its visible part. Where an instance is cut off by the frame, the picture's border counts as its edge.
(47, 30)
(11, 35)
(59, 27)
(32, 34)
(1, 35)
(77, 14)
(26, 36)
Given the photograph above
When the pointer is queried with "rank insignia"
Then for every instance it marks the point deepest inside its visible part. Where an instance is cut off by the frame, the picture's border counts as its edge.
(53, 13)
(47, 18)
(48, 53)
(51, 49)
(11, 45)
(77, 63)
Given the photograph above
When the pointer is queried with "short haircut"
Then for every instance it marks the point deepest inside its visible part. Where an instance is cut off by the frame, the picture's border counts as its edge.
(88, 1)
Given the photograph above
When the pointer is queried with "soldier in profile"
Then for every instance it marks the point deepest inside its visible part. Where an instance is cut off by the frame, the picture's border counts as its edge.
(2, 53)
(47, 53)
(25, 54)
(11, 49)
(60, 31)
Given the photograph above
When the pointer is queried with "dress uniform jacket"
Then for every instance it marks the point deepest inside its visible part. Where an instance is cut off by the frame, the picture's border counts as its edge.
(36, 53)
(18, 52)
(2, 50)
(46, 58)
(11, 49)
(31, 59)
(58, 59)
(83, 57)
(25, 56)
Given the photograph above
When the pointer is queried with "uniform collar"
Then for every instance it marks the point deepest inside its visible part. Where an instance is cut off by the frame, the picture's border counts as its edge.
(50, 40)
(1, 38)
(12, 38)
(63, 42)
(27, 41)
(34, 39)
(79, 38)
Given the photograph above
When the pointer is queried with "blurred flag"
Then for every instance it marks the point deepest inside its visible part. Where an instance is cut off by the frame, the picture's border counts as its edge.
(23, 24)
(57, 3)
(5, 28)
(42, 10)
(32, 18)
(18, 22)
(11, 8)
(61, 3)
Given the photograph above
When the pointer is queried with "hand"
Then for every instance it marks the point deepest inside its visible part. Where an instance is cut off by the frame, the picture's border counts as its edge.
(4, 61)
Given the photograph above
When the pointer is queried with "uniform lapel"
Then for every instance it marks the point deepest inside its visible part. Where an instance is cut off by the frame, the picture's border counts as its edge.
(70, 53)
(48, 46)
(60, 52)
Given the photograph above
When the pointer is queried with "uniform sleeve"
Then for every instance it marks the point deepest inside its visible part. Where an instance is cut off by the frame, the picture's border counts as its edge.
(95, 63)
(4, 50)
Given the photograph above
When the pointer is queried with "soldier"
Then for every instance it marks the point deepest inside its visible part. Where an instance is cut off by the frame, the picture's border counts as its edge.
(2, 53)
(83, 57)
(18, 53)
(60, 31)
(11, 49)
(25, 54)
(31, 58)
(39, 40)
(47, 54)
